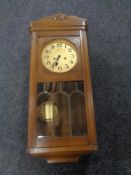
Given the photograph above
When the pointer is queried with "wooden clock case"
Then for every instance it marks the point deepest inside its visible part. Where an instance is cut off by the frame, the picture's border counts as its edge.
(73, 29)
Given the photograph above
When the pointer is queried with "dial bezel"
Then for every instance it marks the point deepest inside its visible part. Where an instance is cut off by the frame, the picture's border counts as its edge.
(64, 41)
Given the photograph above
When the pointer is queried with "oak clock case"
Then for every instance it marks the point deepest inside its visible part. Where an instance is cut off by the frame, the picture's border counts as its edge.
(61, 125)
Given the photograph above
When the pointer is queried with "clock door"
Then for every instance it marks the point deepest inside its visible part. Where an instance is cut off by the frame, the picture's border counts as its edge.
(61, 112)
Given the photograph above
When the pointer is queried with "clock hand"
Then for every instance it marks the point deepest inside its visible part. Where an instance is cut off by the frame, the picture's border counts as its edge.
(58, 58)
(56, 62)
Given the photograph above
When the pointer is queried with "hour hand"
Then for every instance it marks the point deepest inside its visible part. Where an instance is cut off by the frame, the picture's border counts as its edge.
(54, 64)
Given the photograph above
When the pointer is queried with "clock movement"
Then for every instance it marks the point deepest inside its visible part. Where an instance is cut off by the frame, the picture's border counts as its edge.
(61, 125)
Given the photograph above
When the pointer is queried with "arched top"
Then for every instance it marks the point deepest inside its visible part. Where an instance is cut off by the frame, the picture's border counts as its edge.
(62, 93)
(58, 21)
(44, 93)
(77, 92)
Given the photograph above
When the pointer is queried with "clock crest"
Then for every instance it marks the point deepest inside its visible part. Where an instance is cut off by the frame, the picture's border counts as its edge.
(61, 125)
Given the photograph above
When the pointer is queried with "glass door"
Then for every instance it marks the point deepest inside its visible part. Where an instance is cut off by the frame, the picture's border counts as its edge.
(61, 109)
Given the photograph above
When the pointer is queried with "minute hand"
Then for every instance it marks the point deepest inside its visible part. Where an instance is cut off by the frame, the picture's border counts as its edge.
(55, 62)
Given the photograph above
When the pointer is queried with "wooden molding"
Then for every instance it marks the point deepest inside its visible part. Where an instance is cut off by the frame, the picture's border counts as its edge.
(59, 22)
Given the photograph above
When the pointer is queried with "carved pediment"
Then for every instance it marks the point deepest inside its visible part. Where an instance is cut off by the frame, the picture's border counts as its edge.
(58, 21)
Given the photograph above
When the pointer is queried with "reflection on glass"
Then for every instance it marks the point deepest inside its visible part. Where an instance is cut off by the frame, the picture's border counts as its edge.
(61, 121)
(44, 127)
(78, 114)
(61, 109)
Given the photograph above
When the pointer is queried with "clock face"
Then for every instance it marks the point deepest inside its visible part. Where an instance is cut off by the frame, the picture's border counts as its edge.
(59, 56)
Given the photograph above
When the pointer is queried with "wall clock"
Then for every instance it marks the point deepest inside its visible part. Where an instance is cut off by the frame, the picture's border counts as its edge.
(61, 125)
